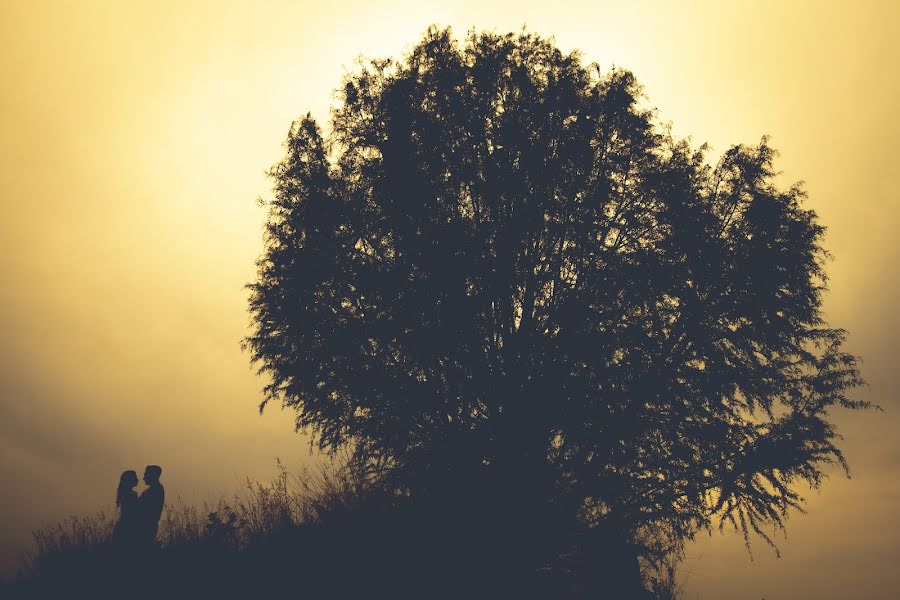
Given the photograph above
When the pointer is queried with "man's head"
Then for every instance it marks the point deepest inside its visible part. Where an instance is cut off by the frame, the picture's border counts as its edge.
(151, 474)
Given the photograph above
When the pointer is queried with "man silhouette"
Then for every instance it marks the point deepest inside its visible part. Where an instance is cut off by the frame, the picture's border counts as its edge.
(151, 502)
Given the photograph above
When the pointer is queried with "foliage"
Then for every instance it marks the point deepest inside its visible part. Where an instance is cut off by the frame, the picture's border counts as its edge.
(499, 266)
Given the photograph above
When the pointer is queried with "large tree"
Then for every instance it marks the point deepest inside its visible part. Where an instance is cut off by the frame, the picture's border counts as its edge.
(498, 261)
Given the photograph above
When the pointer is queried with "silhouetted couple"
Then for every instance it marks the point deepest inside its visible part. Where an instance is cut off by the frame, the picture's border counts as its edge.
(139, 515)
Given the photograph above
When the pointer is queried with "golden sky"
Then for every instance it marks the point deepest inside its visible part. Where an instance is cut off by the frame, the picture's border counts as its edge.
(134, 140)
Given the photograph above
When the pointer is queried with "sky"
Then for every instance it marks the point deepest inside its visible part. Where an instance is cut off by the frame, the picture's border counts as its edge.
(135, 140)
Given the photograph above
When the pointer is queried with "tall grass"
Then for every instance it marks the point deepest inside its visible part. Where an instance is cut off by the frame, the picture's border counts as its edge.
(327, 532)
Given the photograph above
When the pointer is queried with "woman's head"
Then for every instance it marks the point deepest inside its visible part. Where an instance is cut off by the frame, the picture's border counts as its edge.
(127, 481)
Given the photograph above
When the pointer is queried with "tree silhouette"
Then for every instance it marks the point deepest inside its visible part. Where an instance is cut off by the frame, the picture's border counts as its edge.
(498, 267)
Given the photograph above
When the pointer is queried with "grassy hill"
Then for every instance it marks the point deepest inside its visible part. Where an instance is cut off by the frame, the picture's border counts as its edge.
(327, 534)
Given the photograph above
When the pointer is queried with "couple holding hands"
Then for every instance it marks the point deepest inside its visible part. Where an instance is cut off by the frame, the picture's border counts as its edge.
(138, 515)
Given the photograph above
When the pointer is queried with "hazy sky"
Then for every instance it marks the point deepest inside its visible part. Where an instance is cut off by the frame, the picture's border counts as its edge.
(134, 142)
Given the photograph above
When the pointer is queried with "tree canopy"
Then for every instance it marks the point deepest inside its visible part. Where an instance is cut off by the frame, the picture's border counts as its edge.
(498, 260)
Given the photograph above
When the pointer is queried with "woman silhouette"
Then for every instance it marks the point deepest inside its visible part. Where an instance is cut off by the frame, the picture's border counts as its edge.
(128, 528)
